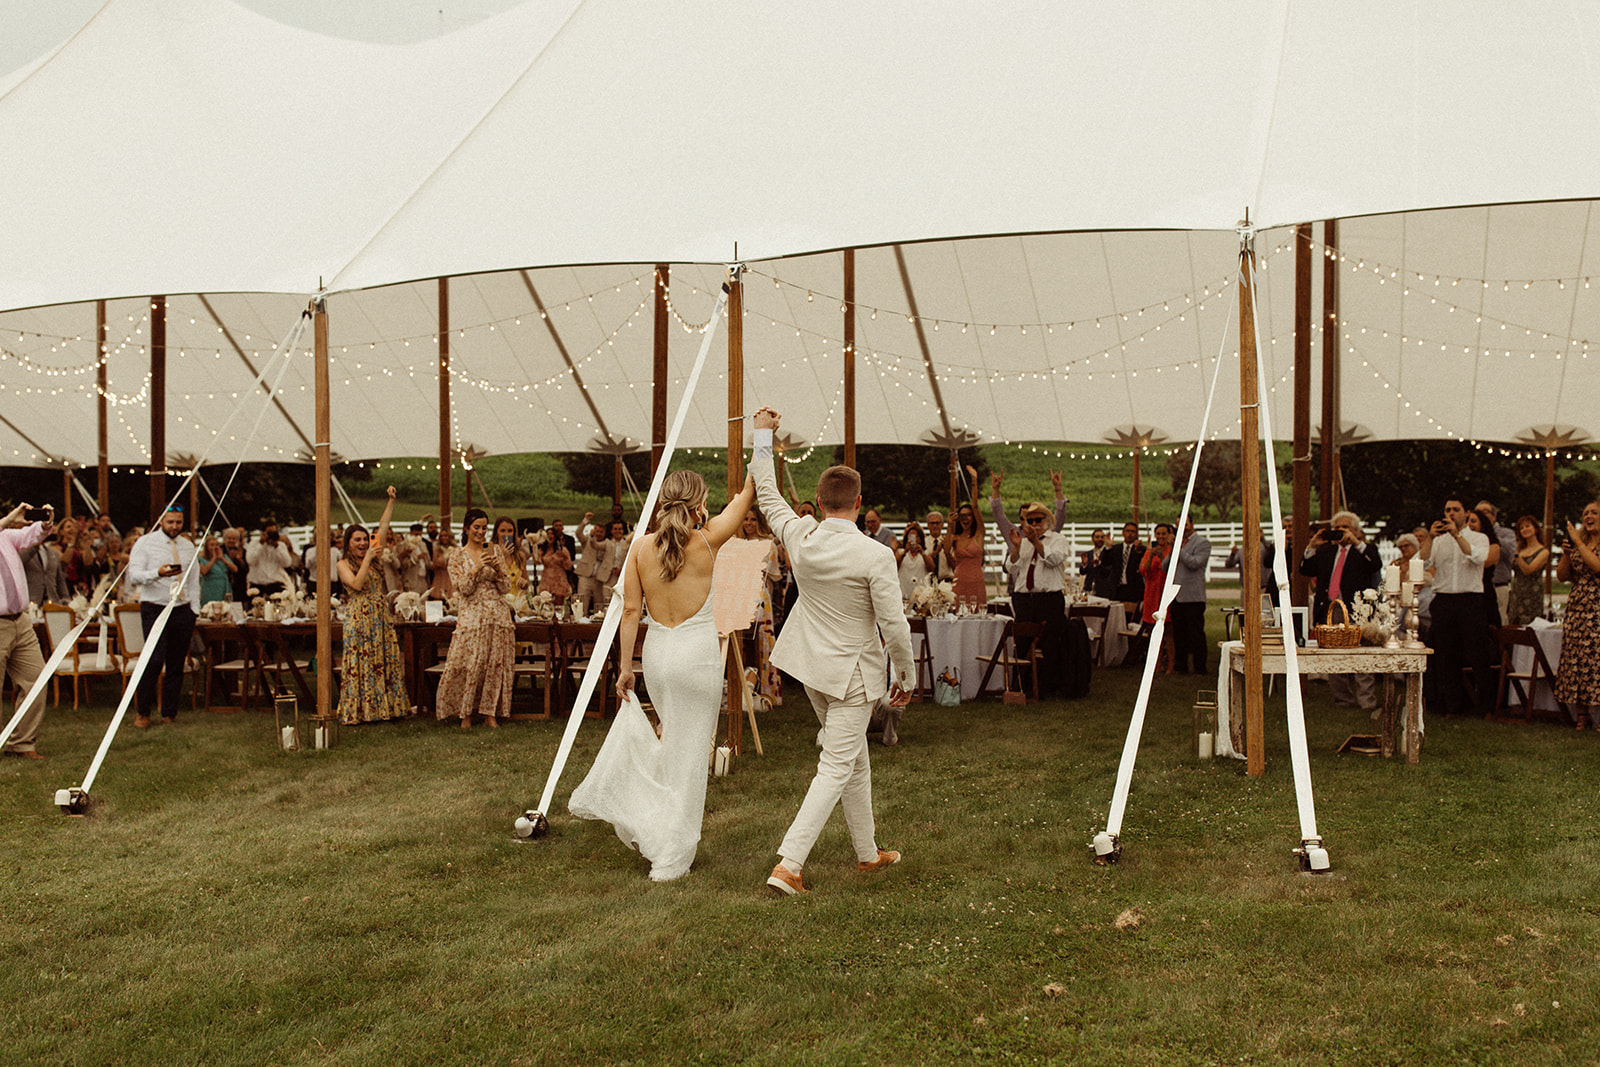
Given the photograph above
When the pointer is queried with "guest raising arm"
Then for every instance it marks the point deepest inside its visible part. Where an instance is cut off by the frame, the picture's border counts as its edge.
(373, 687)
(1578, 677)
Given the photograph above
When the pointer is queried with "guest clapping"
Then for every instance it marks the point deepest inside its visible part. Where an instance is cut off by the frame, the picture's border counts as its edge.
(271, 557)
(1578, 677)
(373, 686)
(478, 672)
(1525, 601)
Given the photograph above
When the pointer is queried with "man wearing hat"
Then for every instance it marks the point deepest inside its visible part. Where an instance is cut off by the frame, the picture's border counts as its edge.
(1038, 566)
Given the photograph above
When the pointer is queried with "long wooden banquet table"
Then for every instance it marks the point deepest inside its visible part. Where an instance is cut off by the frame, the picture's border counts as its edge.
(269, 653)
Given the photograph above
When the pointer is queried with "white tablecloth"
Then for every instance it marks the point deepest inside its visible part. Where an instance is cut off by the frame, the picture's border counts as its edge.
(1113, 642)
(1549, 638)
(958, 642)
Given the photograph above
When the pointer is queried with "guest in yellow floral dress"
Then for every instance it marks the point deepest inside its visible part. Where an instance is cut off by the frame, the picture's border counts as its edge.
(477, 672)
(373, 685)
(769, 683)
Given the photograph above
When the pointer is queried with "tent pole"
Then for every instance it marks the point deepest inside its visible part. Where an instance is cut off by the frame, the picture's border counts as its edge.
(103, 489)
(735, 380)
(445, 461)
(158, 407)
(658, 374)
(1250, 490)
(324, 510)
(1301, 533)
(1330, 366)
(66, 490)
(1138, 454)
(850, 357)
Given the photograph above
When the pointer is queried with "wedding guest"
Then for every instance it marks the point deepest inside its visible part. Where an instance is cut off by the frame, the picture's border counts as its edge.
(1578, 676)
(768, 682)
(963, 547)
(1480, 522)
(559, 535)
(1126, 561)
(270, 559)
(872, 525)
(233, 556)
(1525, 600)
(519, 563)
(1189, 609)
(444, 546)
(1095, 566)
(1504, 570)
(554, 563)
(1038, 565)
(405, 563)
(214, 583)
(1153, 573)
(620, 540)
(942, 571)
(1408, 546)
(478, 672)
(159, 571)
(914, 561)
(42, 565)
(1458, 630)
(77, 557)
(593, 566)
(308, 559)
(372, 685)
(1343, 562)
(20, 658)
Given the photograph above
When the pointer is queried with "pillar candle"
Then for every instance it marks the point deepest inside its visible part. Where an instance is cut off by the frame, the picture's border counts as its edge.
(1391, 579)
(1416, 568)
(1205, 746)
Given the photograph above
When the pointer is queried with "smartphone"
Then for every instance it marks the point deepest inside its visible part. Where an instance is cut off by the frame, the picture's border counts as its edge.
(37, 515)
(505, 540)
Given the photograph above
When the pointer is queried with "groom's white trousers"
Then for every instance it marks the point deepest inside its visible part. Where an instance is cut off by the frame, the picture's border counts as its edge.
(844, 776)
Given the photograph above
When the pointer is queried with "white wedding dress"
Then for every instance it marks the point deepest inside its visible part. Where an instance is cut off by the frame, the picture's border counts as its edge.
(653, 790)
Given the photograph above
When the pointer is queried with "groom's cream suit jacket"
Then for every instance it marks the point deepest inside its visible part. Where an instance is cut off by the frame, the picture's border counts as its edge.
(849, 592)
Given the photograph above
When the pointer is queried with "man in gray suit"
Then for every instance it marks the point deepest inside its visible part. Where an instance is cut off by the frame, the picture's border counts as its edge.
(849, 593)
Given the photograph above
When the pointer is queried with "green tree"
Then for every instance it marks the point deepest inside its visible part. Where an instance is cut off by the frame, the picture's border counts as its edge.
(906, 481)
(1217, 482)
(596, 474)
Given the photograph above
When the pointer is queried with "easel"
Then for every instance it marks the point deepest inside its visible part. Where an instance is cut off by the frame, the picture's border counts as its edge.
(740, 695)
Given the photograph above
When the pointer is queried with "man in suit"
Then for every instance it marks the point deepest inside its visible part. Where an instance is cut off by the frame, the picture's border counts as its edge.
(1123, 560)
(849, 594)
(1343, 562)
(592, 538)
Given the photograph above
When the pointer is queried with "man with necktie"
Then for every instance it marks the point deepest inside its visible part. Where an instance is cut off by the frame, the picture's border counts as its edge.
(159, 571)
(1343, 562)
(19, 645)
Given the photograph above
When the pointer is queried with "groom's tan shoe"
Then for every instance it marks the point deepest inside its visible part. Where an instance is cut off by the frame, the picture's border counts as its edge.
(786, 883)
(885, 859)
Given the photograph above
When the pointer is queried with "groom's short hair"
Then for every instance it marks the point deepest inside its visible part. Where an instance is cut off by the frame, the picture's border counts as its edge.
(838, 488)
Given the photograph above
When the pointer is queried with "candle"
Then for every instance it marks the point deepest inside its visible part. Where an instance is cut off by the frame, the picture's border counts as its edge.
(1205, 746)
(1391, 579)
(289, 741)
(320, 739)
(1408, 595)
(1416, 569)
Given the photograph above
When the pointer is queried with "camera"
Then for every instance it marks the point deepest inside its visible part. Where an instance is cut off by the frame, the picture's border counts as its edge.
(272, 537)
(37, 515)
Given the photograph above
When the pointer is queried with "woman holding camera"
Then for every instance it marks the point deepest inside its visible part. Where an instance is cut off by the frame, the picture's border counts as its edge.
(1578, 677)
(477, 672)
(916, 563)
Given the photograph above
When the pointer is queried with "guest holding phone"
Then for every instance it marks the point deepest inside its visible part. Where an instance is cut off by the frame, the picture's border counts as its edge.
(478, 674)
(19, 647)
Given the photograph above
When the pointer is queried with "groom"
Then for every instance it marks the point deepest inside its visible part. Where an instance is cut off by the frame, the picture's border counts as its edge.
(849, 592)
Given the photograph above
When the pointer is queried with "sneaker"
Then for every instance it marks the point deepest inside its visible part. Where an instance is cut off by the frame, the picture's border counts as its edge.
(785, 883)
(885, 859)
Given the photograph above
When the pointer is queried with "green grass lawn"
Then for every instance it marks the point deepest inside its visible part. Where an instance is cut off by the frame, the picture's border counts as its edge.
(369, 905)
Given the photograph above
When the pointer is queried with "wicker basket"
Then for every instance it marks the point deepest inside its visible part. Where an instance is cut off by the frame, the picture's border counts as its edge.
(1337, 635)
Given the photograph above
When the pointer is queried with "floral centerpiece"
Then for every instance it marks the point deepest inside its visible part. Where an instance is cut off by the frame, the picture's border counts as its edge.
(411, 607)
(932, 599)
(1371, 611)
(526, 604)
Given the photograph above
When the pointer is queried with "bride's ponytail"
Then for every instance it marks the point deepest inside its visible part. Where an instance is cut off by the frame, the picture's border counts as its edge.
(683, 492)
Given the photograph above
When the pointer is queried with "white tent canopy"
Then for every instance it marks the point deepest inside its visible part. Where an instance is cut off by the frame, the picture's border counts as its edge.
(191, 146)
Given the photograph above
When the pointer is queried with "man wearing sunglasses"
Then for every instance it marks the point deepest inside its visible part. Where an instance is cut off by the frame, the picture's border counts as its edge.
(1037, 563)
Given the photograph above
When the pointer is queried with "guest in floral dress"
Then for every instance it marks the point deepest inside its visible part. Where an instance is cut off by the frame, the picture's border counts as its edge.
(768, 681)
(1578, 674)
(477, 673)
(519, 564)
(443, 549)
(373, 686)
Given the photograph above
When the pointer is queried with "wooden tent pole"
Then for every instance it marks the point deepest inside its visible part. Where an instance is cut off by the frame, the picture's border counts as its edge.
(66, 492)
(735, 381)
(658, 374)
(1301, 528)
(324, 514)
(1138, 455)
(158, 408)
(1250, 490)
(445, 461)
(850, 357)
(1330, 368)
(103, 489)
(1549, 522)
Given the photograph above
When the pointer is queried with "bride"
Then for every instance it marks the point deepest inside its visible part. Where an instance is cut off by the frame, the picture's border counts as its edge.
(653, 790)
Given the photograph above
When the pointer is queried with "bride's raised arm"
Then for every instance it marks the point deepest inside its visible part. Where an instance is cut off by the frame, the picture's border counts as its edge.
(725, 524)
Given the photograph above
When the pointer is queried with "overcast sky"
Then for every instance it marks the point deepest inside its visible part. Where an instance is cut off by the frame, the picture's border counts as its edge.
(29, 28)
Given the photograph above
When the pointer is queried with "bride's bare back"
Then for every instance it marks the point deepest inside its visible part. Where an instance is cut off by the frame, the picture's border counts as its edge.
(672, 602)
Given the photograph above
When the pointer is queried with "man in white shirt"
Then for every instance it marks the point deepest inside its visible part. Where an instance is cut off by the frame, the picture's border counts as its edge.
(20, 656)
(159, 570)
(1458, 630)
(941, 566)
(1037, 563)
(270, 558)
